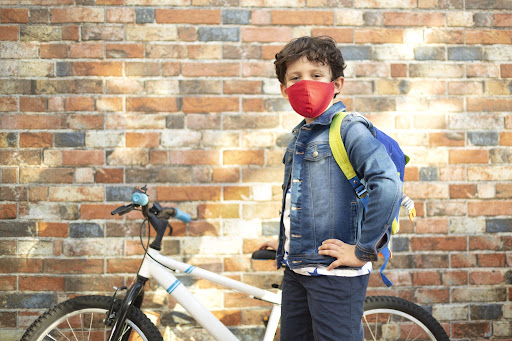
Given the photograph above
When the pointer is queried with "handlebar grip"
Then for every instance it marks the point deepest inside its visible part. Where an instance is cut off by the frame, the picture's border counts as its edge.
(139, 198)
(184, 217)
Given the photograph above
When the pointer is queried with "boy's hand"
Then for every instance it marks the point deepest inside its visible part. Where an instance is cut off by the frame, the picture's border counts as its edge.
(345, 253)
(273, 244)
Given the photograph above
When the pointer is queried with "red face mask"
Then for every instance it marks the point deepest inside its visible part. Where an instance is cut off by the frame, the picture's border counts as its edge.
(310, 98)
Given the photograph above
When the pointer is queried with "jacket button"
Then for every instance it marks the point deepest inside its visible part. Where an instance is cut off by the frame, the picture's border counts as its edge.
(315, 153)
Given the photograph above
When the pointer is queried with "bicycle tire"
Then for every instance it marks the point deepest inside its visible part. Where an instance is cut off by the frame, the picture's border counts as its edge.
(394, 318)
(90, 311)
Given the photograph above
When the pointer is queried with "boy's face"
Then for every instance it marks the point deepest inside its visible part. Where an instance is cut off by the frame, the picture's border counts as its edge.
(304, 69)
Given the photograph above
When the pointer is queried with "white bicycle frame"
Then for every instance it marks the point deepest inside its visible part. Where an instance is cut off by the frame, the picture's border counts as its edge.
(152, 269)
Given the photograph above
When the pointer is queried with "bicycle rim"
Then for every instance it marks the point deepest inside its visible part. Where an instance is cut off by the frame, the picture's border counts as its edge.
(393, 318)
(390, 324)
(87, 325)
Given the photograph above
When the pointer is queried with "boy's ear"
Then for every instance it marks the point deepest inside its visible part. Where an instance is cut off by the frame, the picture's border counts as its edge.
(283, 90)
(338, 84)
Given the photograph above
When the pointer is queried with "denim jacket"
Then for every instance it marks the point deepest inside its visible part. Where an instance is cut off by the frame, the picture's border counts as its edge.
(324, 204)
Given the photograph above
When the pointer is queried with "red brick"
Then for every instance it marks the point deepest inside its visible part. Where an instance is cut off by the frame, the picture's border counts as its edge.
(506, 70)
(14, 15)
(54, 50)
(488, 37)
(8, 211)
(199, 69)
(451, 139)
(10, 265)
(194, 157)
(142, 140)
(452, 278)
(378, 36)
(120, 265)
(187, 16)
(83, 157)
(53, 230)
(79, 104)
(231, 174)
(36, 140)
(95, 69)
(243, 157)
(488, 104)
(324, 18)
(438, 243)
(8, 283)
(158, 157)
(491, 242)
(125, 50)
(151, 104)
(505, 138)
(463, 191)
(120, 15)
(77, 14)
(472, 330)
(237, 86)
(236, 192)
(502, 19)
(253, 104)
(81, 121)
(487, 260)
(427, 225)
(444, 36)
(98, 211)
(41, 283)
(266, 34)
(33, 104)
(9, 33)
(210, 104)
(429, 296)
(203, 228)
(398, 70)
(187, 34)
(489, 277)
(71, 32)
(424, 278)
(257, 69)
(214, 210)
(109, 2)
(86, 50)
(457, 156)
(490, 208)
(8, 104)
(142, 69)
(414, 19)
(73, 266)
(188, 193)
(109, 175)
(109, 104)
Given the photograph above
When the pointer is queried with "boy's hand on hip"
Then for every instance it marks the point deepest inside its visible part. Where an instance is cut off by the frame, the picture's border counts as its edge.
(343, 252)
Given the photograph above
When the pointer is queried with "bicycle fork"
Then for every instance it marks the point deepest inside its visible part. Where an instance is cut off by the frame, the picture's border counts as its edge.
(134, 296)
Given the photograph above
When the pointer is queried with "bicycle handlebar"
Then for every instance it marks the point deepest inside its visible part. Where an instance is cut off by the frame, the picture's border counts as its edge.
(140, 198)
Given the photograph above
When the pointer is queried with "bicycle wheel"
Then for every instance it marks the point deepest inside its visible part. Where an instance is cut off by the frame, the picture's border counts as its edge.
(82, 318)
(393, 318)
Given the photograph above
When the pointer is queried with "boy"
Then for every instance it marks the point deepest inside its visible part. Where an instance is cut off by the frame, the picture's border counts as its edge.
(326, 240)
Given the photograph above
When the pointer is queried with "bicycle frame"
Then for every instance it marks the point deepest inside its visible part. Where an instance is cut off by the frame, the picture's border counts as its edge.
(151, 268)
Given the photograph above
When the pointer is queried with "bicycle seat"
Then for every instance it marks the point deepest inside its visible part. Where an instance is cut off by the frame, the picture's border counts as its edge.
(264, 254)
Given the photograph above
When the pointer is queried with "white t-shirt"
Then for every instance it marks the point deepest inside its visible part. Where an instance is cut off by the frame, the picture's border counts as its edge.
(315, 270)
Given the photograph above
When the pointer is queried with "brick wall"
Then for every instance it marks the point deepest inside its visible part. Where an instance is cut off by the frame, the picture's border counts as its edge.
(99, 96)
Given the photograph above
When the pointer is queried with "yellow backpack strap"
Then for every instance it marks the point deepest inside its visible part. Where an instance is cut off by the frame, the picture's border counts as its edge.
(338, 148)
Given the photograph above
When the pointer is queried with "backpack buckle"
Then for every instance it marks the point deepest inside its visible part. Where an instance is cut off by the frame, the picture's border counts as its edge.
(361, 191)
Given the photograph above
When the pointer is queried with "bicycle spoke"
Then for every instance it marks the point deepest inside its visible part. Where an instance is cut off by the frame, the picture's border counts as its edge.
(63, 333)
(90, 327)
(387, 325)
(369, 328)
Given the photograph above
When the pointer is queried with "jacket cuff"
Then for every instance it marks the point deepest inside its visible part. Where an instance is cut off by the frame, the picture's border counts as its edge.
(365, 254)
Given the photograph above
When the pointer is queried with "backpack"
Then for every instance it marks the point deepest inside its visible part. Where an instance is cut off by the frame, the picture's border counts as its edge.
(399, 159)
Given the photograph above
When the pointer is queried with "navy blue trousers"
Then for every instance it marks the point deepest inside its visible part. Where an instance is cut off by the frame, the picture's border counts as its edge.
(322, 308)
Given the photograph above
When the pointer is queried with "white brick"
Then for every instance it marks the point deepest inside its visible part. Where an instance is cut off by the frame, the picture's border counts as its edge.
(151, 32)
(258, 139)
(271, 87)
(52, 157)
(486, 191)
(470, 121)
(467, 226)
(349, 18)
(35, 248)
(262, 192)
(211, 245)
(104, 139)
(498, 53)
(463, 19)
(93, 247)
(394, 52)
(414, 36)
(84, 175)
(242, 228)
(162, 87)
(450, 312)
(180, 138)
(220, 139)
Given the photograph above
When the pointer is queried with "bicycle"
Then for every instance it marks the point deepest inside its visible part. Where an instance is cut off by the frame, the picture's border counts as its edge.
(110, 318)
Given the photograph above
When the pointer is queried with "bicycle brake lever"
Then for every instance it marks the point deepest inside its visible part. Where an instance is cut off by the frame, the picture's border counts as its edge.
(123, 209)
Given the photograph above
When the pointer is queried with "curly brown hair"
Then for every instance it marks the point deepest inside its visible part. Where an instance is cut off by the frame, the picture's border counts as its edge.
(316, 49)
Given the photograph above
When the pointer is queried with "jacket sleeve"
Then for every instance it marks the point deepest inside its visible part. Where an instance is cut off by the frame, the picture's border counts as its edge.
(372, 164)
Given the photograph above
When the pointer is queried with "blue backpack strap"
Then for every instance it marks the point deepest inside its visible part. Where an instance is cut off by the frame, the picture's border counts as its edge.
(386, 253)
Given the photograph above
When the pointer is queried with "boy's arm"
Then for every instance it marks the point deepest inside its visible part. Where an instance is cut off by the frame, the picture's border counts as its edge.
(373, 164)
